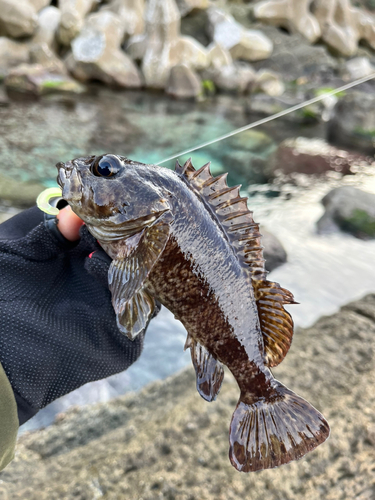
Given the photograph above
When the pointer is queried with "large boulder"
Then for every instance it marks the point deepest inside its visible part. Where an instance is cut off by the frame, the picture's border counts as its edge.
(249, 45)
(161, 46)
(237, 77)
(349, 209)
(183, 83)
(294, 15)
(344, 26)
(12, 54)
(48, 23)
(97, 55)
(312, 156)
(17, 18)
(37, 79)
(337, 22)
(352, 124)
(73, 13)
(131, 13)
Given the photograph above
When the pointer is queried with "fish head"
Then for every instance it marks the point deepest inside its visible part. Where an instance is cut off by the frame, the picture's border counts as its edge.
(111, 190)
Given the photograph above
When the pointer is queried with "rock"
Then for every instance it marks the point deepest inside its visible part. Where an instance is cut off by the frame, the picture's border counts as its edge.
(186, 6)
(350, 209)
(183, 83)
(161, 46)
(273, 251)
(247, 155)
(12, 54)
(19, 194)
(249, 45)
(4, 100)
(294, 58)
(352, 124)
(358, 68)
(73, 13)
(340, 25)
(218, 57)
(194, 25)
(312, 156)
(131, 13)
(43, 55)
(17, 19)
(35, 79)
(167, 442)
(48, 22)
(268, 82)
(39, 4)
(294, 15)
(97, 55)
(236, 77)
(343, 25)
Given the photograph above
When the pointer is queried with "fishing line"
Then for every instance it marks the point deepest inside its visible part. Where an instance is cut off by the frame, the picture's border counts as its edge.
(273, 117)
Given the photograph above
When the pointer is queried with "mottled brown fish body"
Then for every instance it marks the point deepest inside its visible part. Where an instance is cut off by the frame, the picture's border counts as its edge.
(187, 240)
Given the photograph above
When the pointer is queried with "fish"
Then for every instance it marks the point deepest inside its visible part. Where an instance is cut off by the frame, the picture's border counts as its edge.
(187, 240)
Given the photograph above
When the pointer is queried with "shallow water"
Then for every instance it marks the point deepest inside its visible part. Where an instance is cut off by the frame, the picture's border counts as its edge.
(323, 271)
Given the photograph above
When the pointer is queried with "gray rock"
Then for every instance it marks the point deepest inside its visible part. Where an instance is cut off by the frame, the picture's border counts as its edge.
(312, 156)
(349, 209)
(184, 83)
(12, 54)
(358, 67)
(353, 122)
(273, 251)
(167, 442)
(97, 55)
(39, 4)
(35, 79)
(17, 19)
(269, 82)
(43, 55)
(293, 57)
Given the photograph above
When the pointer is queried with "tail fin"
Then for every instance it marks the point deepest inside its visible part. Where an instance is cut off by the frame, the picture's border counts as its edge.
(274, 431)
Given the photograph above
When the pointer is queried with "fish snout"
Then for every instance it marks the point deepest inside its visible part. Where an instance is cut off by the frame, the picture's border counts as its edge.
(69, 180)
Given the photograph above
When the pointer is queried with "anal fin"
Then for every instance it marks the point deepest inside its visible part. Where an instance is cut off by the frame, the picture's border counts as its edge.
(209, 371)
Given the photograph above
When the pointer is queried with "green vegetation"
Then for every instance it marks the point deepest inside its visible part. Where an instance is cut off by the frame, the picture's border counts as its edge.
(326, 90)
(209, 87)
(364, 132)
(360, 224)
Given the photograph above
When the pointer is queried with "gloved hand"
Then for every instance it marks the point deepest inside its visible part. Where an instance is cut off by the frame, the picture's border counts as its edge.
(57, 325)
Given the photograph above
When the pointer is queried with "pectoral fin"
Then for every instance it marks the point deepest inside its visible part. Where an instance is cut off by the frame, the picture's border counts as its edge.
(133, 305)
(209, 371)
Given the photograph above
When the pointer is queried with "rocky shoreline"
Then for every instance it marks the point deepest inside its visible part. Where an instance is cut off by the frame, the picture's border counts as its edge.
(165, 442)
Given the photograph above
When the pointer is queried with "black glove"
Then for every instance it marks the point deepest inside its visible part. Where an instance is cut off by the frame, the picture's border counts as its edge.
(57, 325)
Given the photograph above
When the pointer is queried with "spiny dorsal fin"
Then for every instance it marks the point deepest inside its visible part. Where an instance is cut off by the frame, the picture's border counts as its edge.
(275, 322)
(231, 212)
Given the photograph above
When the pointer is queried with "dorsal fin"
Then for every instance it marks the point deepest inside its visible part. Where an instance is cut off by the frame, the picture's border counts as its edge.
(231, 212)
(237, 221)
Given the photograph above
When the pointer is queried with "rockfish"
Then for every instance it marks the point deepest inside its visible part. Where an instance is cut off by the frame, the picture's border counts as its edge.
(189, 241)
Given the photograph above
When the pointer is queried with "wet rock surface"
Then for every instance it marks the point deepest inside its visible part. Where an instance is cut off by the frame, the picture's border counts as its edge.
(273, 251)
(353, 122)
(166, 442)
(349, 209)
(312, 156)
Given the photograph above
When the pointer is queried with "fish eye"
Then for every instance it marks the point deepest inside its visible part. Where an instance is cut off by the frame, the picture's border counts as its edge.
(106, 166)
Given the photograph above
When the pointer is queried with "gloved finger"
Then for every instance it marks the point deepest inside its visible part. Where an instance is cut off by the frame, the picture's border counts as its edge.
(97, 264)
